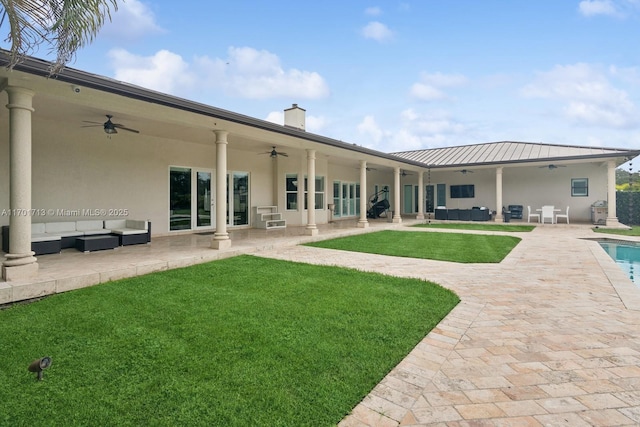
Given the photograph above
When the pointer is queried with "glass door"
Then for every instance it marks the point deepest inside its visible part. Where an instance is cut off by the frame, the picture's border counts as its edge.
(191, 199)
(204, 202)
(239, 203)
(179, 198)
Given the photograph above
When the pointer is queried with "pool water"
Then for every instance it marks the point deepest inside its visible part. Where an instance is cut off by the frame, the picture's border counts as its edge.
(626, 255)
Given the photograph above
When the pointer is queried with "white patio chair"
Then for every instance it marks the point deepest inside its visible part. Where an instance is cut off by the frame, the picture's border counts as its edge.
(547, 213)
(532, 215)
(564, 215)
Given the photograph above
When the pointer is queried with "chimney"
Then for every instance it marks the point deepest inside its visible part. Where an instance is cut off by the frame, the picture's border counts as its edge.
(294, 117)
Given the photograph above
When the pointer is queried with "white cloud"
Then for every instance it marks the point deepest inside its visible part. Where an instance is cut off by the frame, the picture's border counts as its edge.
(377, 31)
(430, 85)
(133, 20)
(164, 71)
(373, 11)
(370, 129)
(416, 131)
(597, 7)
(258, 74)
(425, 92)
(587, 95)
(245, 73)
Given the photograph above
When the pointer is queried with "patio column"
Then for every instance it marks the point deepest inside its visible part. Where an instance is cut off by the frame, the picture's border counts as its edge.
(311, 230)
(420, 196)
(498, 217)
(396, 195)
(363, 222)
(612, 214)
(220, 238)
(20, 262)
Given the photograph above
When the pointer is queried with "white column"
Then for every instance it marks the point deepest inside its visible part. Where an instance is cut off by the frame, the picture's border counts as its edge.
(396, 195)
(221, 238)
(363, 222)
(612, 214)
(311, 230)
(420, 196)
(498, 217)
(20, 262)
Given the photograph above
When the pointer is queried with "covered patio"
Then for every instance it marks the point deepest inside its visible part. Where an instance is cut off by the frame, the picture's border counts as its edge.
(72, 269)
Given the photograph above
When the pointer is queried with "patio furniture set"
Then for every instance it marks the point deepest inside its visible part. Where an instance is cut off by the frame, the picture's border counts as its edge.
(547, 212)
(84, 235)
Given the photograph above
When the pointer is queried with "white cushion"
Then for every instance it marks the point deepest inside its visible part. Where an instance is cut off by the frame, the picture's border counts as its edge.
(127, 231)
(129, 226)
(96, 232)
(37, 228)
(115, 223)
(44, 237)
(137, 224)
(89, 225)
(60, 227)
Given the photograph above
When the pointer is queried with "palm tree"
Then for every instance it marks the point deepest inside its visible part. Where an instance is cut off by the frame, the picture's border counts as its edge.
(65, 25)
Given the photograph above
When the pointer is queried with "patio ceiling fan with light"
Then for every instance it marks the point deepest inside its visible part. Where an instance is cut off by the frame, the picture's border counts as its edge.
(109, 127)
(273, 153)
(552, 166)
(465, 171)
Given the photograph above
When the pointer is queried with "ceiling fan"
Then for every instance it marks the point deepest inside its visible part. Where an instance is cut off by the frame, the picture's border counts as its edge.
(552, 166)
(405, 173)
(110, 127)
(465, 171)
(273, 153)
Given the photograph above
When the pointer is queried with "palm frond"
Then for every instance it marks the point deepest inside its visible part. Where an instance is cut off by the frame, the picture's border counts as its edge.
(65, 25)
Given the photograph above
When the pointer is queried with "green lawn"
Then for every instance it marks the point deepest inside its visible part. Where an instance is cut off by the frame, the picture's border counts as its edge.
(456, 247)
(243, 341)
(635, 231)
(476, 226)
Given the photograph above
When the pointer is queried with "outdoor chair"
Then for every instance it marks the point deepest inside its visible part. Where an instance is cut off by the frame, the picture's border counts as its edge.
(532, 215)
(564, 215)
(547, 213)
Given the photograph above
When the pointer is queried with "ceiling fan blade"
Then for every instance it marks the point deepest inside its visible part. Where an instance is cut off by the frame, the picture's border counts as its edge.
(118, 126)
(283, 154)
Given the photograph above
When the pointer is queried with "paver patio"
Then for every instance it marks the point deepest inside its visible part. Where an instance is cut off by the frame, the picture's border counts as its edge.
(550, 336)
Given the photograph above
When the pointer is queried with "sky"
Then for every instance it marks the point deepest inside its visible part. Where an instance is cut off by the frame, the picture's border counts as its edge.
(393, 75)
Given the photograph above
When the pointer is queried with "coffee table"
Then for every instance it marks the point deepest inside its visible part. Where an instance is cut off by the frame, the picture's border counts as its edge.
(96, 243)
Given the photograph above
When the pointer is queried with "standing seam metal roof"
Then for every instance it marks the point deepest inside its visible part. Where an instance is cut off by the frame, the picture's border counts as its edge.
(509, 152)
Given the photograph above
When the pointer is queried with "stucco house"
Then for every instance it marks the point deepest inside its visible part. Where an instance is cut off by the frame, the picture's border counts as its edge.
(79, 145)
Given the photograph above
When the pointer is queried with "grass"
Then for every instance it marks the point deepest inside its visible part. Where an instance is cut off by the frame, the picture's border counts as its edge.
(237, 342)
(473, 226)
(635, 231)
(455, 247)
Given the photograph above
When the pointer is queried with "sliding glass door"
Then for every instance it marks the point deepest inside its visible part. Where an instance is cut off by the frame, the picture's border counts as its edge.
(191, 201)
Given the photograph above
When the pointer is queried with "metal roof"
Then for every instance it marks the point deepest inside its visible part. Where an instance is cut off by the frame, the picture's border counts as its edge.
(505, 152)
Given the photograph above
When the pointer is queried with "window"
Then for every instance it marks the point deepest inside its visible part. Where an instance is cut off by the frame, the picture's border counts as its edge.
(579, 187)
(292, 191)
(462, 191)
(319, 197)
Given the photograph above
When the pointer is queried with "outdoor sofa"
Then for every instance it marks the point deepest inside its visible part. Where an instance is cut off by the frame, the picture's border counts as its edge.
(474, 214)
(52, 237)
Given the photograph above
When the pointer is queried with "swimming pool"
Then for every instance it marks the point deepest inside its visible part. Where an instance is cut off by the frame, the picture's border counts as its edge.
(626, 255)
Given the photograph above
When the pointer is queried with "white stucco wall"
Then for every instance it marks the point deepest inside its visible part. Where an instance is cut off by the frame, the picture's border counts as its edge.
(82, 168)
